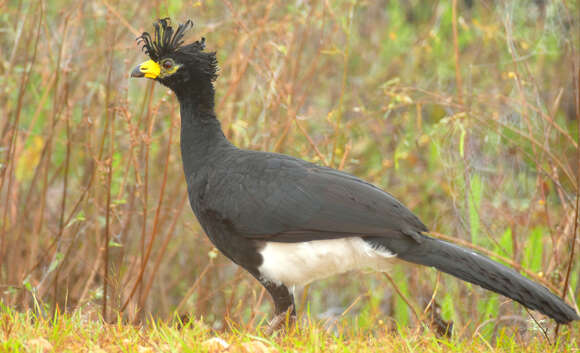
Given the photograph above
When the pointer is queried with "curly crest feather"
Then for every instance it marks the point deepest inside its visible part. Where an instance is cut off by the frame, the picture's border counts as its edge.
(166, 40)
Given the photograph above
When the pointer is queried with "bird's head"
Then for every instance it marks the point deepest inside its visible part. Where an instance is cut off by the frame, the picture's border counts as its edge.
(171, 63)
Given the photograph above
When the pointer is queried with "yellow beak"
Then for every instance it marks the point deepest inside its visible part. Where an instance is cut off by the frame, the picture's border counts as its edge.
(149, 69)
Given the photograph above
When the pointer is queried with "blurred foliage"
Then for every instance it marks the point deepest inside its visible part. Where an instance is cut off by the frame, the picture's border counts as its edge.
(483, 147)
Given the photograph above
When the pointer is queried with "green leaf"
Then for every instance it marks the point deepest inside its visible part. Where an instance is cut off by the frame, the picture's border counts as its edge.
(391, 82)
(462, 141)
(534, 250)
(57, 260)
(447, 307)
(26, 283)
(80, 216)
(114, 244)
(474, 202)
(401, 308)
(506, 244)
(281, 48)
(489, 309)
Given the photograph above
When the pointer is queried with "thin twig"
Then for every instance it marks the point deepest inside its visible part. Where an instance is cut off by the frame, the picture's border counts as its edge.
(458, 79)
(576, 210)
(411, 306)
(193, 286)
(542, 328)
(432, 300)
(111, 118)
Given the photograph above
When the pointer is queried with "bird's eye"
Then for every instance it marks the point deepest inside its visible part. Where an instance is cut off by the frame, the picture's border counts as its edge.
(167, 64)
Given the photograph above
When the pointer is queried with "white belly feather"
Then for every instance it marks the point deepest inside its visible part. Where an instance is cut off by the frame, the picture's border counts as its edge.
(297, 264)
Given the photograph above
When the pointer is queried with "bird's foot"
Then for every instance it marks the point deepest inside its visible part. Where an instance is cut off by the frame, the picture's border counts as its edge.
(441, 327)
(281, 321)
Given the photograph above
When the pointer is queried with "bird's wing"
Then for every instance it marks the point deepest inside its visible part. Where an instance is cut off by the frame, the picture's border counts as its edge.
(279, 198)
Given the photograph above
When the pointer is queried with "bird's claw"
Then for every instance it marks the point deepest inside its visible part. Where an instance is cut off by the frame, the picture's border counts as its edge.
(281, 321)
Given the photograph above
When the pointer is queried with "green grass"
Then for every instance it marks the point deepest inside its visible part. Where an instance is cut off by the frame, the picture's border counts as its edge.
(24, 332)
(483, 147)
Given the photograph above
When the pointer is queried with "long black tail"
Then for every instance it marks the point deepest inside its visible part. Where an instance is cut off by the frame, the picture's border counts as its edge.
(477, 269)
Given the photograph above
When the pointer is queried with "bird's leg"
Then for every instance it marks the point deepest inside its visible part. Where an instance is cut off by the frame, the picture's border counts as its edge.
(284, 306)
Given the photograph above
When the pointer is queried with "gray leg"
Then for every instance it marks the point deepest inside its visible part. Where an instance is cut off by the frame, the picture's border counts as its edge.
(284, 306)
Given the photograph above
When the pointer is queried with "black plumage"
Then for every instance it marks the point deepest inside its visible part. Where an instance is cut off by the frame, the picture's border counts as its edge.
(251, 203)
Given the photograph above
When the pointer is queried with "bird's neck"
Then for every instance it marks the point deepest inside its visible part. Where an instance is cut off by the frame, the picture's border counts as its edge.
(202, 138)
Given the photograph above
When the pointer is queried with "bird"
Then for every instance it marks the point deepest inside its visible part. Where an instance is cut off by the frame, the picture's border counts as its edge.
(289, 222)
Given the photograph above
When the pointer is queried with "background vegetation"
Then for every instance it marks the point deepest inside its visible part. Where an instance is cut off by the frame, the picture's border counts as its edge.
(467, 111)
